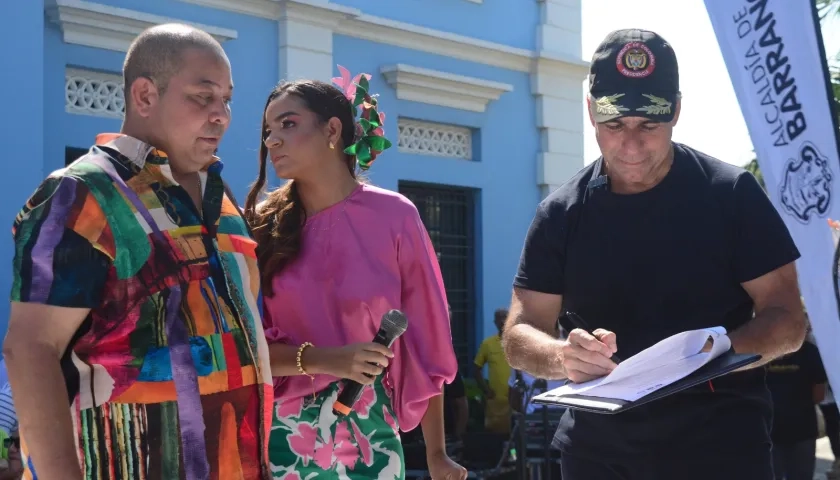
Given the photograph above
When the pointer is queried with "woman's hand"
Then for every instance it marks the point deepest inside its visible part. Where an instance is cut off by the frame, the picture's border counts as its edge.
(441, 467)
(360, 362)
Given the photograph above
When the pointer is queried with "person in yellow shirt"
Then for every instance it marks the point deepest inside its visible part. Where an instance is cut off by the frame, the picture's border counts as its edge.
(496, 390)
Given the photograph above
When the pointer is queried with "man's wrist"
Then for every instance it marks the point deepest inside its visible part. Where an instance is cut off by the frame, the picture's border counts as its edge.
(557, 362)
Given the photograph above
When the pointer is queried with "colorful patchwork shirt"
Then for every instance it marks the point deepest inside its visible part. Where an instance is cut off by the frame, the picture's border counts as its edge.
(169, 375)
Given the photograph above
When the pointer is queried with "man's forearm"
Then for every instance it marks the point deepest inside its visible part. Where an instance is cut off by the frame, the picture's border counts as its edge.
(533, 351)
(772, 333)
(43, 412)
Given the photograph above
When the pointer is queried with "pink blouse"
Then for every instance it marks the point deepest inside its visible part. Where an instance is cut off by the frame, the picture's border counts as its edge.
(361, 258)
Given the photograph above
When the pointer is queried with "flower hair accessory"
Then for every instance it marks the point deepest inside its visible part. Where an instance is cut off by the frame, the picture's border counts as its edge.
(370, 138)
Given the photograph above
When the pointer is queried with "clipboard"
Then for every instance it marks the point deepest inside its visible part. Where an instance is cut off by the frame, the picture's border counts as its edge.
(726, 363)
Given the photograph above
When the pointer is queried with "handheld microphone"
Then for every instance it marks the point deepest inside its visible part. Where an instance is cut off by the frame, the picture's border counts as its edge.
(392, 326)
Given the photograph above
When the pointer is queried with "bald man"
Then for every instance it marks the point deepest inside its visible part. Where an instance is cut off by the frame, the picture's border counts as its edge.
(135, 289)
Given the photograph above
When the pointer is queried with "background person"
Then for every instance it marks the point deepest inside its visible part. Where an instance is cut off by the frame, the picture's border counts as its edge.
(797, 383)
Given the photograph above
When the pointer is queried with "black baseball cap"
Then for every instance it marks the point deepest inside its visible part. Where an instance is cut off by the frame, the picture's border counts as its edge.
(634, 74)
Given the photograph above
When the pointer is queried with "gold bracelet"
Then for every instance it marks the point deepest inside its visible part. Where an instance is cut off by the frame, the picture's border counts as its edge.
(299, 355)
(303, 347)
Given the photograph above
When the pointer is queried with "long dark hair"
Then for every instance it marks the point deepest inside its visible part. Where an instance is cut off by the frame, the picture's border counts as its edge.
(278, 223)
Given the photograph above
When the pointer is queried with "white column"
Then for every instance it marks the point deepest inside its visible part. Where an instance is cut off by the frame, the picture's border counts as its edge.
(559, 30)
(306, 39)
(557, 87)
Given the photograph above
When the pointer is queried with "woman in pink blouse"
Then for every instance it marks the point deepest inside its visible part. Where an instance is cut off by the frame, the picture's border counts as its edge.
(335, 255)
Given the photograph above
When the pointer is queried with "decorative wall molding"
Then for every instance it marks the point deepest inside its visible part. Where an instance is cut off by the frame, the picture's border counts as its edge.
(315, 12)
(557, 70)
(306, 39)
(434, 139)
(269, 9)
(87, 92)
(447, 44)
(103, 26)
(558, 92)
(354, 23)
(559, 30)
(440, 88)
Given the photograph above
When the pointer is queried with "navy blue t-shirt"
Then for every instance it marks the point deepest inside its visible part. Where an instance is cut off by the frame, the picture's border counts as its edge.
(647, 266)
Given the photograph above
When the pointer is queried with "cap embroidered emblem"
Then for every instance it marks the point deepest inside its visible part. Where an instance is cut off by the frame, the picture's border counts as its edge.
(606, 105)
(658, 105)
(635, 60)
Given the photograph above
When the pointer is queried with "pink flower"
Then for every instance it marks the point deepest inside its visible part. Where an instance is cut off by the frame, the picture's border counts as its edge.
(365, 401)
(291, 476)
(289, 408)
(345, 452)
(364, 445)
(303, 441)
(324, 455)
(388, 418)
(347, 85)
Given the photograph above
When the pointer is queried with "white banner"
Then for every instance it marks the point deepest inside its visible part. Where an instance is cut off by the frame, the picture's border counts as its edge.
(774, 52)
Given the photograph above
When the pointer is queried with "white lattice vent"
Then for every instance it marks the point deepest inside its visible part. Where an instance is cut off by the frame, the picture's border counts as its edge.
(436, 139)
(93, 93)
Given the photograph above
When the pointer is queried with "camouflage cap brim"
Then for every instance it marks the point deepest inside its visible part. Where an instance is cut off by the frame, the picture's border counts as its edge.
(610, 106)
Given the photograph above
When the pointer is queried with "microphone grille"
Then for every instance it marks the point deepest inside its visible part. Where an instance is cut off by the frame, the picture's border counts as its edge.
(394, 323)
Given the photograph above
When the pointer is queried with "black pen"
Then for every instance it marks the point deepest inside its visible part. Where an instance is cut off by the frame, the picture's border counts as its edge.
(581, 323)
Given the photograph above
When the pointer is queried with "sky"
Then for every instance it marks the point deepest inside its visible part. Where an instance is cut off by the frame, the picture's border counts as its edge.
(710, 119)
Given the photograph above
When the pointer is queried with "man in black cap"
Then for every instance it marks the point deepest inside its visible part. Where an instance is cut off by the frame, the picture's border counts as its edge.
(652, 239)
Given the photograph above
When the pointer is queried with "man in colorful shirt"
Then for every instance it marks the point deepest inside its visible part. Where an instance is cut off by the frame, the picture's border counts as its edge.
(135, 285)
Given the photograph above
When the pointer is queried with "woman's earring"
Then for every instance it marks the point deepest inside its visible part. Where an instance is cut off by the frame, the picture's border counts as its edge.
(332, 146)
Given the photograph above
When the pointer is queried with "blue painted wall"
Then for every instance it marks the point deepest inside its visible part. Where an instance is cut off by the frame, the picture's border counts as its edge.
(22, 133)
(509, 22)
(505, 147)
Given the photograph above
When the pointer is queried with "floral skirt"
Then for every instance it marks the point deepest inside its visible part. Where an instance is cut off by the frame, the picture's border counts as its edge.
(308, 441)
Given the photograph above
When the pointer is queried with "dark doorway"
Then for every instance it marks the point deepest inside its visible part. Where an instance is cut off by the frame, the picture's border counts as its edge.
(448, 214)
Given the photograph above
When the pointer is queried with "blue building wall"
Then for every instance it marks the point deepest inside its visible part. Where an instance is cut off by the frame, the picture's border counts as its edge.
(510, 23)
(23, 131)
(506, 143)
